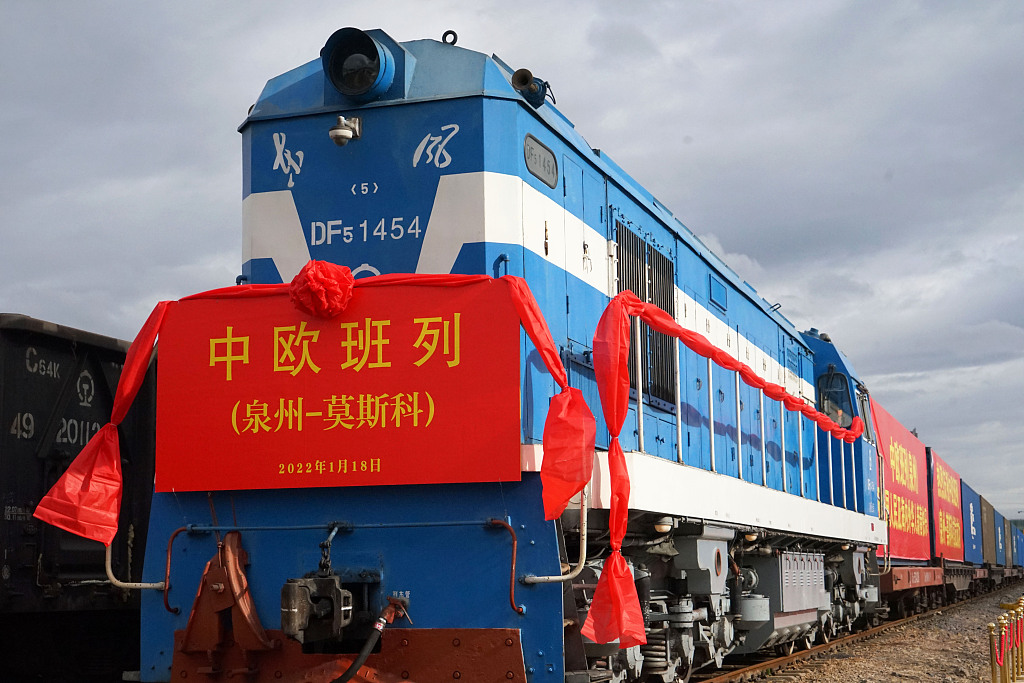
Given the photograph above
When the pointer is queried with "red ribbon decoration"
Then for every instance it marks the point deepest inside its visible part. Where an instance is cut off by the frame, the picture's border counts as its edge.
(661, 321)
(86, 500)
(615, 609)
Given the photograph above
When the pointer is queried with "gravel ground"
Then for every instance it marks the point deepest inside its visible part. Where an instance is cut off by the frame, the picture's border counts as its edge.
(950, 646)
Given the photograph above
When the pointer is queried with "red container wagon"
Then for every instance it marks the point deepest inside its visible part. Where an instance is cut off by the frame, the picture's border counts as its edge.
(946, 510)
(947, 539)
(911, 581)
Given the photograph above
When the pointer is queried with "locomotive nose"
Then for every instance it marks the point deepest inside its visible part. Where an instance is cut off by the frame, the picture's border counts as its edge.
(357, 65)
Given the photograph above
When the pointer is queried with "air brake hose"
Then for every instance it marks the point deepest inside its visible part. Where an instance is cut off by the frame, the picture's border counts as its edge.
(385, 616)
(363, 653)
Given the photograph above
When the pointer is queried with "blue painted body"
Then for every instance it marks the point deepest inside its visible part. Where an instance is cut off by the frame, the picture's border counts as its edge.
(970, 503)
(492, 122)
(848, 473)
(452, 115)
(455, 576)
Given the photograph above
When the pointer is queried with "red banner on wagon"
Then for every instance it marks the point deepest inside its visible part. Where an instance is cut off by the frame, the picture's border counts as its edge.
(906, 487)
(409, 385)
(947, 511)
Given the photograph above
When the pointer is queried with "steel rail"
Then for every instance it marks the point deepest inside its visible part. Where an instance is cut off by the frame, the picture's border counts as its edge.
(777, 666)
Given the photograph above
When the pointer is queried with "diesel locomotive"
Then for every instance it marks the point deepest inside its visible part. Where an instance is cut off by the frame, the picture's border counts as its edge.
(366, 493)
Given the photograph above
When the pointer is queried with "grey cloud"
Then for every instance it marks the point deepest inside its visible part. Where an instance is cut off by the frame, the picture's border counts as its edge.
(861, 163)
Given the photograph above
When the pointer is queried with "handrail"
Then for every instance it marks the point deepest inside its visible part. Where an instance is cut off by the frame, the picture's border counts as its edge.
(530, 578)
(159, 585)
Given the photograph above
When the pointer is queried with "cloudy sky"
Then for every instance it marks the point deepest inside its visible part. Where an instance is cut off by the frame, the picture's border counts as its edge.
(859, 162)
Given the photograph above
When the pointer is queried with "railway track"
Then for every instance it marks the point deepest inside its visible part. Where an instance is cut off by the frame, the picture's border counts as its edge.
(795, 665)
(753, 667)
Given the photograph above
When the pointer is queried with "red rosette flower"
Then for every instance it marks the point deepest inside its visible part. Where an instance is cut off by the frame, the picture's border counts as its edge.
(322, 289)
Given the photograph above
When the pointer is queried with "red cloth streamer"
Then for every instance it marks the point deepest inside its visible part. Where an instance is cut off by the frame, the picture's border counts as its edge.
(569, 429)
(569, 433)
(86, 500)
(663, 322)
(615, 610)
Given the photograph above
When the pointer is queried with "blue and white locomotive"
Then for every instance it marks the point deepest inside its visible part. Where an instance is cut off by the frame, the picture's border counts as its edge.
(747, 527)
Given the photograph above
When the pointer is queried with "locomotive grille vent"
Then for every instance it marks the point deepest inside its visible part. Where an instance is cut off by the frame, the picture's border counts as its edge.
(649, 274)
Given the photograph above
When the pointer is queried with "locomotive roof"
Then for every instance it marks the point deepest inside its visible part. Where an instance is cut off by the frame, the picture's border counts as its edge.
(439, 71)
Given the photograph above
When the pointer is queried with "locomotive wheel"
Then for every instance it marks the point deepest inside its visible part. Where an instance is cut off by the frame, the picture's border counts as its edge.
(809, 641)
(826, 631)
(685, 670)
(786, 649)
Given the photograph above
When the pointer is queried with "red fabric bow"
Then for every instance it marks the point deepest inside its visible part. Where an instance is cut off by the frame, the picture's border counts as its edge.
(322, 289)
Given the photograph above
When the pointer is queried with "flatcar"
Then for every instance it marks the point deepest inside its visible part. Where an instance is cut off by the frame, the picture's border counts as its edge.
(385, 483)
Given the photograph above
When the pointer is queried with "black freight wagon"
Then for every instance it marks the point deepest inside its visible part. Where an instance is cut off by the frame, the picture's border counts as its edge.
(60, 618)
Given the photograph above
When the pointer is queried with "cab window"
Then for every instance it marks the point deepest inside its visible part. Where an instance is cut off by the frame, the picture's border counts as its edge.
(864, 403)
(834, 397)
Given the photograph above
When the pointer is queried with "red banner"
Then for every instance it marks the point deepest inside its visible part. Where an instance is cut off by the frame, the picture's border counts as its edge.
(947, 511)
(410, 384)
(906, 487)
(86, 500)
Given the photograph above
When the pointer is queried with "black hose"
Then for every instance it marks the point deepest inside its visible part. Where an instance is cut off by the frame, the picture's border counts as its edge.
(368, 646)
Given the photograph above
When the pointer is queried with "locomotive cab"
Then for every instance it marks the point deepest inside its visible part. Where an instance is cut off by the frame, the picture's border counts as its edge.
(848, 473)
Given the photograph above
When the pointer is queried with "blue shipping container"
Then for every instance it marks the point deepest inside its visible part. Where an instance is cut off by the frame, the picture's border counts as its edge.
(970, 503)
(1000, 527)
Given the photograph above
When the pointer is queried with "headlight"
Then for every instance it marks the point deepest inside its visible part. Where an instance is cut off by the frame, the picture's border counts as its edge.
(357, 65)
